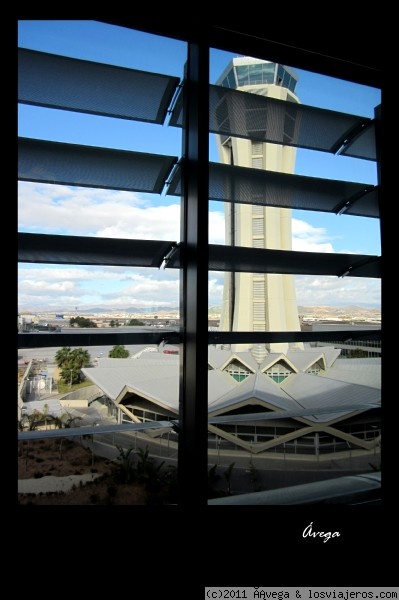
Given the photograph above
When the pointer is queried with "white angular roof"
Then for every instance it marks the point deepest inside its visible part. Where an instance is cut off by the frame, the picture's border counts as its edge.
(313, 391)
(366, 371)
(353, 384)
(135, 373)
(257, 386)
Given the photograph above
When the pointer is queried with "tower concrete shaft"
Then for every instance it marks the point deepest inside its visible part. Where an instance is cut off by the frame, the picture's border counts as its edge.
(259, 302)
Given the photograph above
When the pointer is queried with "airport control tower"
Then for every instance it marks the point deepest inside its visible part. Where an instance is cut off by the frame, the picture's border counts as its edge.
(259, 302)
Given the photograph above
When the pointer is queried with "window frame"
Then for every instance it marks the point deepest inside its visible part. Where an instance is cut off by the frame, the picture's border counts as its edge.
(194, 338)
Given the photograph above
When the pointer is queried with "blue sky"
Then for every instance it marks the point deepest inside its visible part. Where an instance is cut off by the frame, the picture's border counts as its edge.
(83, 211)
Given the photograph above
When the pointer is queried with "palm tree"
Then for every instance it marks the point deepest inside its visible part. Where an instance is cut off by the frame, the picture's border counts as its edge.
(63, 357)
(70, 362)
(80, 358)
(71, 374)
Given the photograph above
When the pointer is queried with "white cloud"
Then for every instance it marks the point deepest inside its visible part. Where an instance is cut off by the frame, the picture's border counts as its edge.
(93, 286)
(106, 213)
(38, 287)
(44, 273)
(307, 238)
(215, 288)
(216, 227)
(95, 212)
(146, 288)
(316, 291)
(103, 213)
(150, 223)
(119, 287)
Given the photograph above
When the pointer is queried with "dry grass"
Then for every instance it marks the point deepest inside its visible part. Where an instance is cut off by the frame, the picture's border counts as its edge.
(39, 458)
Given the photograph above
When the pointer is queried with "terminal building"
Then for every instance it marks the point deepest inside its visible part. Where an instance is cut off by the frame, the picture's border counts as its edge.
(309, 404)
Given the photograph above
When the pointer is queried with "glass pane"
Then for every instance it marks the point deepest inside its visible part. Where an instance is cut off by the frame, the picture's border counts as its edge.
(311, 384)
(104, 385)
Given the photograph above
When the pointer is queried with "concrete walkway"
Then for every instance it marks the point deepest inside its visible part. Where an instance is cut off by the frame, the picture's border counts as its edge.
(50, 483)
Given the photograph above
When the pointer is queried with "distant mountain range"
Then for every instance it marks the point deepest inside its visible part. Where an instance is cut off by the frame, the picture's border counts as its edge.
(94, 310)
(130, 309)
(339, 310)
(314, 311)
(324, 310)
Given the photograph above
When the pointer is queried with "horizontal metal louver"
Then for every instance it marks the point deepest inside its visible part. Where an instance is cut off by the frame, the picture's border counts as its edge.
(229, 183)
(239, 259)
(253, 260)
(78, 250)
(362, 145)
(64, 249)
(66, 83)
(259, 118)
(90, 166)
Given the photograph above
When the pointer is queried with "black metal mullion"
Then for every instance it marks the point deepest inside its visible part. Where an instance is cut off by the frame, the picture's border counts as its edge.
(377, 116)
(269, 337)
(193, 400)
(56, 340)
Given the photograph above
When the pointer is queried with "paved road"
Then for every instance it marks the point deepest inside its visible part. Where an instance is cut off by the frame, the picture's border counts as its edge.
(48, 354)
